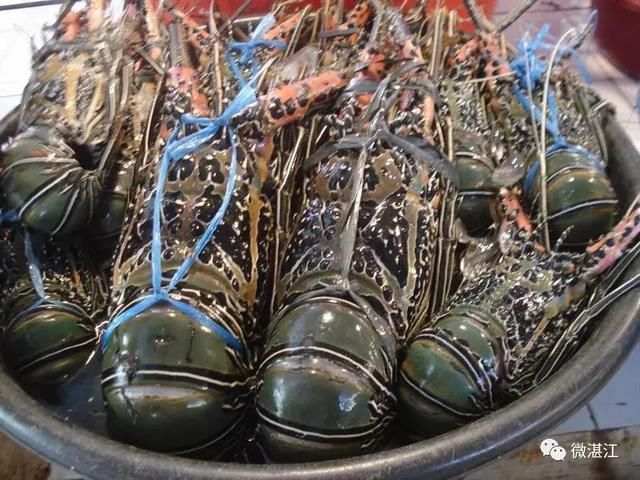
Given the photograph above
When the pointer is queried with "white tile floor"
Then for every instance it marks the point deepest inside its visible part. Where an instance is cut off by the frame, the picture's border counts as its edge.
(618, 404)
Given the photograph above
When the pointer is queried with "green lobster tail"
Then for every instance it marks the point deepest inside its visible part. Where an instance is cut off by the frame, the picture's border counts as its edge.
(446, 379)
(580, 198)
(172, 385)
(48, 344)
(324, 388)
(477, 194)
(113, 204)
(108, 220)
(52, 186)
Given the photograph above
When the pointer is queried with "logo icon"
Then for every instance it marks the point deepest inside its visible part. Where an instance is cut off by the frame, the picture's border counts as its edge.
(558, 453)
(546, 445)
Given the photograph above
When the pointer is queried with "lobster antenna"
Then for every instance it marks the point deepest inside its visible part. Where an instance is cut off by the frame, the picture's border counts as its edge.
(479, 18)
(282, 6)
(175, 52)
(377, 22)
(582, 35)
(236, 14)
(543, 135)
(213, 28)
(483, 23)
(532, 113)
(514, 15)
(586, 30)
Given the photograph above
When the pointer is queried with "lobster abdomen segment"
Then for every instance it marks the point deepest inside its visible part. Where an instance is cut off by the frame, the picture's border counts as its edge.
(582, 202)
(164, 375)
(45, 183)
(49, 345)
(324, 387)
(446, 379)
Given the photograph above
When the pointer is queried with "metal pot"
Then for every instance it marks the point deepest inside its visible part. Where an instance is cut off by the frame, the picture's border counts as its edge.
(446, 456)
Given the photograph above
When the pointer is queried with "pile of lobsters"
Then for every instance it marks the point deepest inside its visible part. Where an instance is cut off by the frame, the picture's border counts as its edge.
(287, 235)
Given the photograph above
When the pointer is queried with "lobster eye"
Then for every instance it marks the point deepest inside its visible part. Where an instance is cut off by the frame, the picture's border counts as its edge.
(84, 156)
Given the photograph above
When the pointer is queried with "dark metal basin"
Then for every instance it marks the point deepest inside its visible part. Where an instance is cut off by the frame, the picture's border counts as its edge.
(447, 456)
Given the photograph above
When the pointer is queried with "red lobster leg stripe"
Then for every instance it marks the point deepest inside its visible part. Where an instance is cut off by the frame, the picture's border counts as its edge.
(611, 247)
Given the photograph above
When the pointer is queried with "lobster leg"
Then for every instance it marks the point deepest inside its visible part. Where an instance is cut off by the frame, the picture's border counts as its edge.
(612, 246)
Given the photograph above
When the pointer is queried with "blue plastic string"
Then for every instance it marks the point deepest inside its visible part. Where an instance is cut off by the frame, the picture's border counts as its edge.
(35, 274)
(8, 217)
(176, 149)
(247, 49)
(33, 267)
(530, 70)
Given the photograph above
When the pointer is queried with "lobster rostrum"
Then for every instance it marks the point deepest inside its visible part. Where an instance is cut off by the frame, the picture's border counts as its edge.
(503, 331)
(194, 265)
(352, 282)
(53, 170)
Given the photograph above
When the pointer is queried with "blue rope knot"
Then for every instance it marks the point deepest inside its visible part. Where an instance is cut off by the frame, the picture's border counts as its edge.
(248, 49)
(176, 149)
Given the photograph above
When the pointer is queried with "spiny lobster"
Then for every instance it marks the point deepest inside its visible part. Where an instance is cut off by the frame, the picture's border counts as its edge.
(71, 115)
(476, 84)
(565, 180)
(354, 277)
(145, 57)
(193, 269)
(502, 332)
